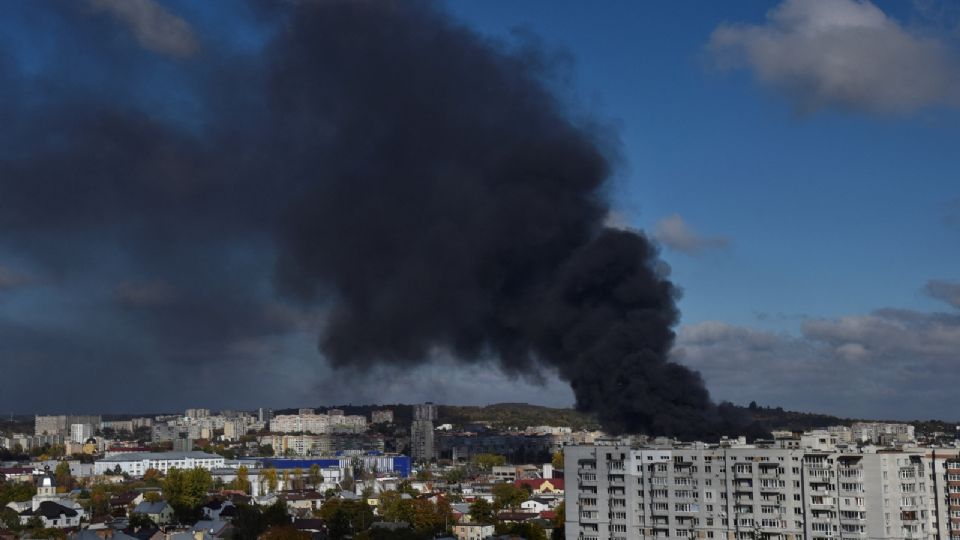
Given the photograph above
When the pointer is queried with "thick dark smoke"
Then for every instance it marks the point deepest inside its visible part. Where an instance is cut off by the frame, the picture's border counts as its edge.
(420, 182)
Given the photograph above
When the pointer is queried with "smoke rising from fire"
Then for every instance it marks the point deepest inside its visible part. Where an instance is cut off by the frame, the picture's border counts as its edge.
(420, 182)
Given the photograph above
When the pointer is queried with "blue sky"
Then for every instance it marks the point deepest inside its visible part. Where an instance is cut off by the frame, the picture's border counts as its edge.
(809, 212)
(828, 213)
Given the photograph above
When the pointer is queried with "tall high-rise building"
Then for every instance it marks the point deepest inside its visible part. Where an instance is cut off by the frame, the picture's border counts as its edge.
(421, 441)
(421, 432)
(618, 492)
(80, 433)
(425, 411)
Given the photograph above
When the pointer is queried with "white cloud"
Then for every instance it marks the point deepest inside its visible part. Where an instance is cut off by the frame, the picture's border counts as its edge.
(887, 364)
(678, 235)
(154, 27)
(840, 53)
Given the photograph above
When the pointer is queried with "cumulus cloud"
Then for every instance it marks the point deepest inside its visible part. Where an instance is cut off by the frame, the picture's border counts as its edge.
(948, 291)
(154, 27)
(840, 53)
(890, 363)
(675, 233)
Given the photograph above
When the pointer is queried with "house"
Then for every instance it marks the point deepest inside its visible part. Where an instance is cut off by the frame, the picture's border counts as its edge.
(461, 512)
(472, 531)
(120, 502)
(542, 485)
(53, 515)
(308, 501)
(515, 517)
(535, 505)
(159, 512)
(213, 510)
(215, 528)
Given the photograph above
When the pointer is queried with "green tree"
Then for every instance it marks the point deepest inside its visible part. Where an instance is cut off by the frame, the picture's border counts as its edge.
(9, 519)
(152, 496)
(454, 476)
(481, 511)
(485, 462)
(316, 478)
(186, 490)
(266, 450)
(345, 517)
(507, 495)
(141, 521)
(558, 523)
(63, 476)
(529, 531)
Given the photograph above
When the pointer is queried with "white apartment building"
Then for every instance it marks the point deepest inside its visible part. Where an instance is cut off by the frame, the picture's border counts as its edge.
(80, 433)
(617, 492)
(137, 463)
(317, 423)
(877, 432)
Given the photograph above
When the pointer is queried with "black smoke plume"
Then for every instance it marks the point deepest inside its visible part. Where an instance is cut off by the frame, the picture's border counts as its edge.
(423, 184)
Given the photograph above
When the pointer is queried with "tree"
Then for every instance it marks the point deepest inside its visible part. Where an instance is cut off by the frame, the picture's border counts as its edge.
(316, 478)
(9, 519)
(507, 495)
(529, 531)
(186, 490)
(345, 517)
(266, 450)
(454, 476)
(486, 462)
(481, 511)
(242, 483)
(152, 477)
(269, 476)
(557, 460)
(558, 523)
(141, 521)
(63, 476)
(152, 496)
(298, 478)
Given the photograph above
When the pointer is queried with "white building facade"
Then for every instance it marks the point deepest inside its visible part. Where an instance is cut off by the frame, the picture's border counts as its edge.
(618, 492)
(137, 463)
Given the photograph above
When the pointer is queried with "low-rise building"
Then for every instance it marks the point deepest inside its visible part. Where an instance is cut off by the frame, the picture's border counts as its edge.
(135, 464)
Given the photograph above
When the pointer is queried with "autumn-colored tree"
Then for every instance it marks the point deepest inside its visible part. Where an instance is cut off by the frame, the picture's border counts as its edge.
(269, 477)
(316, 478)
(152, 496)
(63, 477)
(242, 482)
(557, 460)
(507, 495)
(298, 478)
(152, 477)
(481, 511)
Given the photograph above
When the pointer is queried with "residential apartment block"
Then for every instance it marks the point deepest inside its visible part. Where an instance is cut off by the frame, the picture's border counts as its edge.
(615, 491)
(309, 422)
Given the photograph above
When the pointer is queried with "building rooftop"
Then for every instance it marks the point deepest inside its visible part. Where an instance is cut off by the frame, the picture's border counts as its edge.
(140, 456)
